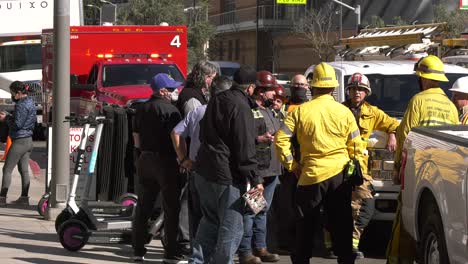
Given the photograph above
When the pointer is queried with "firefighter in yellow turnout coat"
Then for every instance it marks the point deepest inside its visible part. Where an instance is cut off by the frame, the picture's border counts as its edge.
(430, 107)
(328, 136)
(368, 118)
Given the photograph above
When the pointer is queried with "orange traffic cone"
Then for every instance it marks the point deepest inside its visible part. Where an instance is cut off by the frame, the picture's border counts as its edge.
(7, 148)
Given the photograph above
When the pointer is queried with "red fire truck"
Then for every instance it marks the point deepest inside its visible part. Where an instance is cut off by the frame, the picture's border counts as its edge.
(114, 64)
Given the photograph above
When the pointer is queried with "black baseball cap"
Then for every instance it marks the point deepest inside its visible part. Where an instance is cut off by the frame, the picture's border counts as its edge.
(245, 75)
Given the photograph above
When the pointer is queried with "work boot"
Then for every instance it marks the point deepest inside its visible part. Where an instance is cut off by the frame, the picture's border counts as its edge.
(2, 201)
(22, 200)
(358, 253)
(266, 256)
(329, 254)
(249, 259)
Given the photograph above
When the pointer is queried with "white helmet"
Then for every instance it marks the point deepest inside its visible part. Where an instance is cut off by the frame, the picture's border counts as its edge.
(359, 80)
(460, 85)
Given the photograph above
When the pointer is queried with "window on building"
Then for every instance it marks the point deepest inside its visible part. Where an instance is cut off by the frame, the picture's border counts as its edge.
(237, 50)
(221, 50)
(230, 50)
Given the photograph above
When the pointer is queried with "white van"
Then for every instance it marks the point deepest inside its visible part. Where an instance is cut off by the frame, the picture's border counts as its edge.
(226, 68)
(393, 84)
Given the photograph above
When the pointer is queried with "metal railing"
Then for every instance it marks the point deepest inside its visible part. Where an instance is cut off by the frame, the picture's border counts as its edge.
(266, 12)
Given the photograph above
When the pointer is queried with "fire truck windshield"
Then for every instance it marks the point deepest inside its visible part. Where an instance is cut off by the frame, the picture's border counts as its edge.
(391, 93)
(20, 57)
(136, 74)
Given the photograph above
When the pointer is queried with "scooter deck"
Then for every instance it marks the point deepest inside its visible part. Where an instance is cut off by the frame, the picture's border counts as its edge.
(100, 207)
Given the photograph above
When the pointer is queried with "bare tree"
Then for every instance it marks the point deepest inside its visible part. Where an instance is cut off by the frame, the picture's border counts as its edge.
(315, 27)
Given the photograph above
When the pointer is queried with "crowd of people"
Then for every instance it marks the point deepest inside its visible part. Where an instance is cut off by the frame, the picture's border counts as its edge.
(225, 137)
(232, 136)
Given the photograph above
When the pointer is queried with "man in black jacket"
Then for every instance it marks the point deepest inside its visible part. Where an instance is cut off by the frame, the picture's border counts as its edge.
(157, 168)
(226, 163)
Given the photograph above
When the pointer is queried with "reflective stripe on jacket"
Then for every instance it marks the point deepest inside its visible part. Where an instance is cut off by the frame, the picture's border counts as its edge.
(327, 133)
(464, 115)
(430, 107)
(372, 118)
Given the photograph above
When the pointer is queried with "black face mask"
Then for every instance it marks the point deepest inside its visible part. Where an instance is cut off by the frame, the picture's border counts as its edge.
(268, 102)
(298, 95)
(14, 99)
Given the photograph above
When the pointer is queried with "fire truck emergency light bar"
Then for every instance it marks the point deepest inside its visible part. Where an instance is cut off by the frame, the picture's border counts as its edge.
(152, 55)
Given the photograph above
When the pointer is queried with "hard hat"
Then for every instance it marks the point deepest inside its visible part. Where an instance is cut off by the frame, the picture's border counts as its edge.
(266, 80)
(460, 85)
(324, 77)
(280, 92)
(359, 80)
(430, 67)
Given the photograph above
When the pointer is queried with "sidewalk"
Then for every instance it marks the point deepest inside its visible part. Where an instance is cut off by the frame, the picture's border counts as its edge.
(25, 237)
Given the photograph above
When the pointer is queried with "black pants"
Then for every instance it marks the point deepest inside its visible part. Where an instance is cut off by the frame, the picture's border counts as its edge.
(157, 174)
(335, 197)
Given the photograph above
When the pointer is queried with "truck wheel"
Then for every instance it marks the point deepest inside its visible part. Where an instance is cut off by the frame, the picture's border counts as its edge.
(434, 249)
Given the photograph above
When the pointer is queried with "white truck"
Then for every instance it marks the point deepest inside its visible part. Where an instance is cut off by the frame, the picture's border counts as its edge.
(20, 44)
(434, 192)
(393, 83)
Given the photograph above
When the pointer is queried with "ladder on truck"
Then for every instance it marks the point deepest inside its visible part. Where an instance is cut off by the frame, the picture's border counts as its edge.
(393, 43)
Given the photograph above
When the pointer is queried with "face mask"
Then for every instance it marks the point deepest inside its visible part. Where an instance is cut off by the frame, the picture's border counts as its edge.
(14, 99)
(268, 102)
(299, 95)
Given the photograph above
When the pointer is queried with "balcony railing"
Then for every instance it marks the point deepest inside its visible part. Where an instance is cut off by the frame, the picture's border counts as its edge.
(268, 16)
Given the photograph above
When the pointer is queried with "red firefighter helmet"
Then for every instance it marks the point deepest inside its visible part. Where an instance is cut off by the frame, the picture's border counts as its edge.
(266, 80)
(280, 93)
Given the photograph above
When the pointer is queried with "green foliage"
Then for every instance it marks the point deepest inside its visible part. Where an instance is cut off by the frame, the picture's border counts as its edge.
(455, 19)
(91, 14)
(154, 12)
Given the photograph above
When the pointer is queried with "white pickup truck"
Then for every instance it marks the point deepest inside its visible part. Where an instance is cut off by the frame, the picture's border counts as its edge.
(434, 192)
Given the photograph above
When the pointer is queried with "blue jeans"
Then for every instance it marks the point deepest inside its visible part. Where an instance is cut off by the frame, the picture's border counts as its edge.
(220, 230)
(255, 226)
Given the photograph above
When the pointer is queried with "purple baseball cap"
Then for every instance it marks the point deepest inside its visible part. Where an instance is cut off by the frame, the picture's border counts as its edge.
(163, 80)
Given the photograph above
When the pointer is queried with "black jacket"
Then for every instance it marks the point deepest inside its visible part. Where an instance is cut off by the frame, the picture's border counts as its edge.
(154, 121)
(227, 135)
(187, 94)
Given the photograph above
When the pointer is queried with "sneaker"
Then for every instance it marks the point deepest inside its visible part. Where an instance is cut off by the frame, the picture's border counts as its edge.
(22, 200)
(177, 259)
(138, 258)
(265, 255)
(358, 254)
(329, 254)
(2, 201)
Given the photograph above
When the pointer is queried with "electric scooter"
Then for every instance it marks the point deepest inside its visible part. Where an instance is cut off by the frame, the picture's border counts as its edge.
(127, 201)
(84, 225)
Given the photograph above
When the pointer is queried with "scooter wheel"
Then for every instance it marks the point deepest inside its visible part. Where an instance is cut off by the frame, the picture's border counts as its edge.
(73, 235)
(42, 205)
(128, 199)
(65, 215)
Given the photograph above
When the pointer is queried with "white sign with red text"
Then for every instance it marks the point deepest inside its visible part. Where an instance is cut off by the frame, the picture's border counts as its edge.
(75, 139)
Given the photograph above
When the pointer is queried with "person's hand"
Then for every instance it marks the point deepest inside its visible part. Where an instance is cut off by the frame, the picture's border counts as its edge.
(265, 138)
(259, 187)
(392, 142)
(187, 164)
(3, 114)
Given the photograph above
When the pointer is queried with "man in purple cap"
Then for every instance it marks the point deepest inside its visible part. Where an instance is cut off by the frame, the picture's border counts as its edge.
(157, 168)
